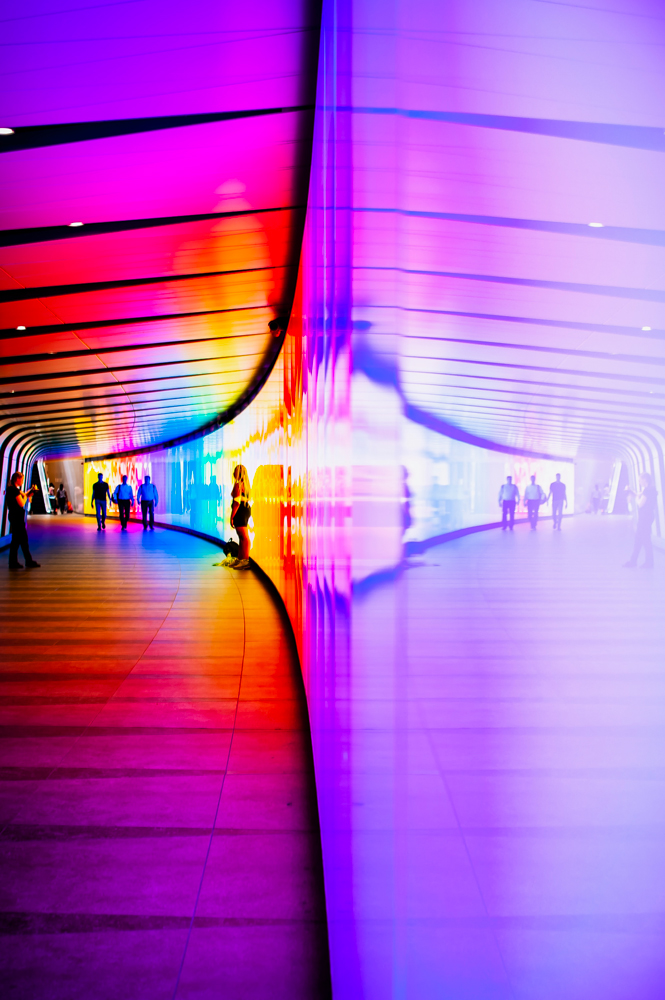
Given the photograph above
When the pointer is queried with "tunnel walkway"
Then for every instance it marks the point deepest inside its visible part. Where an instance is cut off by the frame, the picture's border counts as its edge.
(159, 826)
(506, 744)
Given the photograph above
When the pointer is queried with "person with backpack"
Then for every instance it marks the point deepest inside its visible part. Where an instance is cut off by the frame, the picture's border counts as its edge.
(534, 495)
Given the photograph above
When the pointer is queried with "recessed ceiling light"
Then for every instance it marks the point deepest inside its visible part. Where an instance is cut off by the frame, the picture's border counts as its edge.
(6, 131)
(596, 225)
(73, 225)
(20, 328)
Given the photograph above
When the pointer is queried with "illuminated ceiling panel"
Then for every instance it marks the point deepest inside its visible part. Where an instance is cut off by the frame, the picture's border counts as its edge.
(178, 139)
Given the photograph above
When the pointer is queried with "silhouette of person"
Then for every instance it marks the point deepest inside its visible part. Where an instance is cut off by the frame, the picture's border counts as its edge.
(559, 499)
(16, 501)
(596, 497)
(509, 496)
(214, 496)
(148, 497)
(240, 515)
(194, 503)
(645, 499)
(61, 497)
(534, 496)
(124, 497)
(100, 493)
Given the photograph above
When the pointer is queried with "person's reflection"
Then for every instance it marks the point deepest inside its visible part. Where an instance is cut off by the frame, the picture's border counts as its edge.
(214, 496)
(406, 501)
(645, 500)
(195, 501)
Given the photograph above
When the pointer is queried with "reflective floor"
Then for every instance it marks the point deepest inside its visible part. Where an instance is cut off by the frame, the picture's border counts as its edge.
(159, 828)
(501, 823)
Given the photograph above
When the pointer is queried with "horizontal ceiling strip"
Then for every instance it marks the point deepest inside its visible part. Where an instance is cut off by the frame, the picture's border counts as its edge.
(82, 287)
(533, 398)
(633, 136)
(557, 324)
(612, 291)
(93, 415)
(53, 391)
(22, 359)
(534, 414)
(644, 359)
(114, 401)
(580, 373)
(100, 324)
(571, 386)
(157, 397)
(34, 136)
(43, 234)
(51, 376)
(94, 426)
(622, 234)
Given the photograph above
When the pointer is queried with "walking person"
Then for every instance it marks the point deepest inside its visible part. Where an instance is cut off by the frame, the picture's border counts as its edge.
(100, 494)
(61, 497)
(148, 497)
(645, 498)
(16, 501)
(123, 495)
(596, 497)
(240, 514)
(559, 500)
(534, 496)
(509, 497)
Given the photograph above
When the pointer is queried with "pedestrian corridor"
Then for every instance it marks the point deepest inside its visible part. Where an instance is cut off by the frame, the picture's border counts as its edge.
(158, 813)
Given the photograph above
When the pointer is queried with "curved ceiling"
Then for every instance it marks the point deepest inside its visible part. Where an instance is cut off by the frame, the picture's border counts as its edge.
(154, 188)
(508, 228)
(510, 218)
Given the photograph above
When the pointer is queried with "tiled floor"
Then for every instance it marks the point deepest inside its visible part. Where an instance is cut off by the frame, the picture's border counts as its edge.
(499, 778)
(159, 827)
